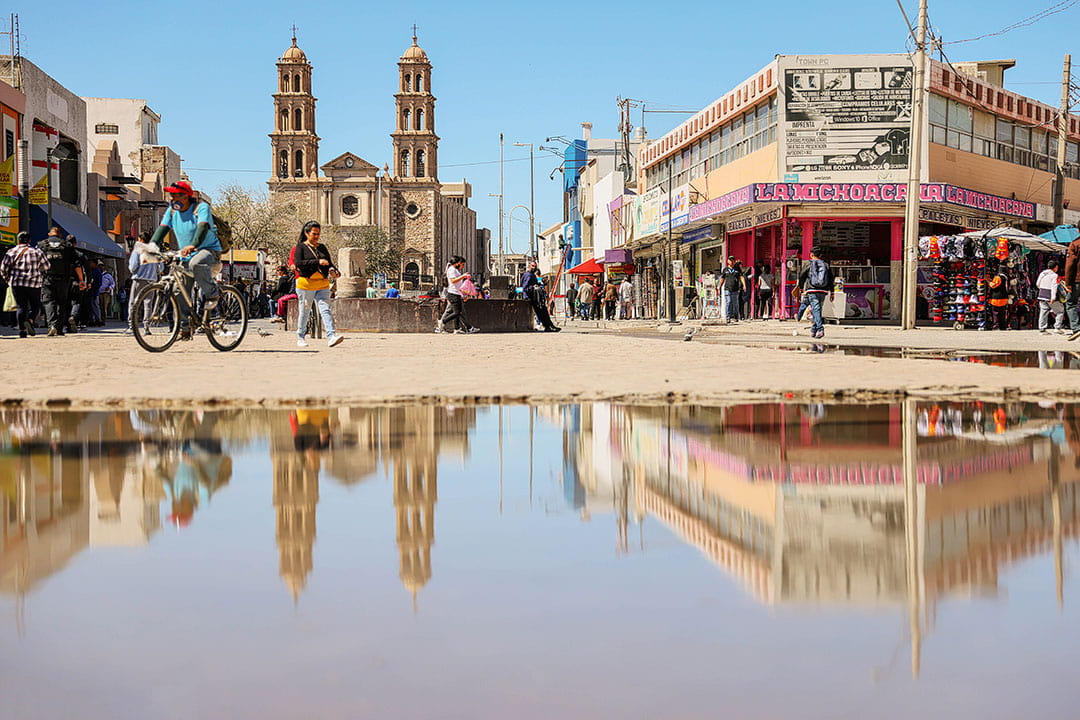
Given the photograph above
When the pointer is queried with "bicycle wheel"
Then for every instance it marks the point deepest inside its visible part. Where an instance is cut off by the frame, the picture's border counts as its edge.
(227, 323)
(155, 319)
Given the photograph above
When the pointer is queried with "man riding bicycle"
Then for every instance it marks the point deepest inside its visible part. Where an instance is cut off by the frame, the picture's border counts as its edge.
(193, 225)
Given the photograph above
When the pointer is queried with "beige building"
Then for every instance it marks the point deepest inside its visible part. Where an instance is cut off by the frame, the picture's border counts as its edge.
(428, 220)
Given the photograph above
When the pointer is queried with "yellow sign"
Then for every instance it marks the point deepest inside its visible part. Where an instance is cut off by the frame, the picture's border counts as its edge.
(7, 175)
(39, 194)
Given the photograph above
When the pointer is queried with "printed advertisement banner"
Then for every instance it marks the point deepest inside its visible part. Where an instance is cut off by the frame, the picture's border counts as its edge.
(9, 219)
(647, 213)
(7, 176)
(844, 117)
(677, 208)
(39, 194)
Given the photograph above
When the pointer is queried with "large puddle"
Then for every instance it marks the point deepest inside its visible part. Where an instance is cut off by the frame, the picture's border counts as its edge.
(600, 560)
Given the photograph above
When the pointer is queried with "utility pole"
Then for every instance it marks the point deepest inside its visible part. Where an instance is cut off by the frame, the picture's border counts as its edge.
(1062, 134)
(501, 269)
(670, 301)
(911, 208)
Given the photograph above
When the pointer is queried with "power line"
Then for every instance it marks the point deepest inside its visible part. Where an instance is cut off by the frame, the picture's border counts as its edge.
(267, 172)
(1054, 9)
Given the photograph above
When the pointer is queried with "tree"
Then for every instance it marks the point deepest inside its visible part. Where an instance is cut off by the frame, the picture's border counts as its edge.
(381, 255)
(259, 221)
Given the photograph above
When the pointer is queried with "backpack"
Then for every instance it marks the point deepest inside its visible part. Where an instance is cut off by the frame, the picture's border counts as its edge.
(819, 275)
(223, 232)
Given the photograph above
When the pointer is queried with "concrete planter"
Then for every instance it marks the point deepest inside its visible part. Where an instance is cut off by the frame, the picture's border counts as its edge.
(419, 316)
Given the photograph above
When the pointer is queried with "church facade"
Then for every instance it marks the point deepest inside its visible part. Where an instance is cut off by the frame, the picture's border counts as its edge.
(428, 220)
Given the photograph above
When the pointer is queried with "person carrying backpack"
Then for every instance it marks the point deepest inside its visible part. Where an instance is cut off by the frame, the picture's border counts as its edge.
(815, 280)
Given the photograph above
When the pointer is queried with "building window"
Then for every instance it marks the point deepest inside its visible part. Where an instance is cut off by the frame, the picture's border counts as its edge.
(407, 83)
(296, 83)
(421, 159)
(350, 205)
(284, 83)
(283, 164)
(9, 144)
(298, 119)
(419, 119)
(283, 121)
(298, 168)
(419, 83)
(107, 129)
(404, 164)
(405, 119)
(412, 210)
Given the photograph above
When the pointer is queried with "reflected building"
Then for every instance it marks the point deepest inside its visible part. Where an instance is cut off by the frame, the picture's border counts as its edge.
(810, 506)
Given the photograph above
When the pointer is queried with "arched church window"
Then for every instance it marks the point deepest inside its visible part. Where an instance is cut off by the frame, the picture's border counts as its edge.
(404, 163)
(296, 83)
(284, 83)
(419, 119)
(350, 205)
(421, 157)
(405, 119)
(283, 121)
(419, 83)
(283, 164)
(298, 119)
(298, 167)
(407, 83)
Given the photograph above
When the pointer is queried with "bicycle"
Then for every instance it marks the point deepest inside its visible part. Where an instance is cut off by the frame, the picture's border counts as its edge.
(156, 319)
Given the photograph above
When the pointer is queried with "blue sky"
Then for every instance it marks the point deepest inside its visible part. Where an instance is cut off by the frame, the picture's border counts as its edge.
(527, 70)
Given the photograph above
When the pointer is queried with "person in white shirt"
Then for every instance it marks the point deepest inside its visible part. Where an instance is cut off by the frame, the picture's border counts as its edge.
(455, 301)
(765, 282)
(1049, 298)
(626, 299)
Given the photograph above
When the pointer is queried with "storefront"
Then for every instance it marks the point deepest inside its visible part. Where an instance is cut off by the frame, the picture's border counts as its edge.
(859, 227)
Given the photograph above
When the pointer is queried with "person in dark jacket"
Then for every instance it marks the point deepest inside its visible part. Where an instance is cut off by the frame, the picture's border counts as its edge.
(534, 293)
(314, 270)
(1068, 280)
(284, 290)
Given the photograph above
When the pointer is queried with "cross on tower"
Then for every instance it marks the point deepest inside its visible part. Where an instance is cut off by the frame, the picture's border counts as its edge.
(294, 33)
(414, 34)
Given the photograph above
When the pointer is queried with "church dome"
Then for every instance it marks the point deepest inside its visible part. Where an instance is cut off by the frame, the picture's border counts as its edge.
(414, 52)
(294, 54)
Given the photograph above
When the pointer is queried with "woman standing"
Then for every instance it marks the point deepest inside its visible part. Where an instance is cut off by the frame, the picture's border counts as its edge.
(455, 302)
(314, 270)
(765, 282)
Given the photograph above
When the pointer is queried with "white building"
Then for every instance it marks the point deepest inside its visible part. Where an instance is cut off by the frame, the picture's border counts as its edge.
(130, 123)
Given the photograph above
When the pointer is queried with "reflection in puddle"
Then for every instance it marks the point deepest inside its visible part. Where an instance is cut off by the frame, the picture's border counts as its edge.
(1044, 359)
(892, 518)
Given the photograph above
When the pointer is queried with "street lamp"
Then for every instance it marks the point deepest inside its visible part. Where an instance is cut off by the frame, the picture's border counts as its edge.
(532, 200)
(510, 216)
(500, 253)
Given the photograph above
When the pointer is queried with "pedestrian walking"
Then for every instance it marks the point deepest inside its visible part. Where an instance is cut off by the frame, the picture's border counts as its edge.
(571, 301)
(89, 306)
(815, 280)
(315, 269)
(997, 300)
(105, 295)
(765, 283)
(392, 293)
(586, 293)
(23, 269)
(626, 299)
(611, 299)
(65, 266)
(534, 293)
(732, 283)
(453, 318)
(372, 293)
(1049, 290)
(145, 266)
(1072, 287)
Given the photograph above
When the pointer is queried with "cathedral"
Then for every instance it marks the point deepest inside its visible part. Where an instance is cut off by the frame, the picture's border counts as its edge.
(429, 221)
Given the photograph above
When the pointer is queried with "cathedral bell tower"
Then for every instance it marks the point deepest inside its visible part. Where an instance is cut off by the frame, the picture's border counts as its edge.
(416, 146)
(294, 142)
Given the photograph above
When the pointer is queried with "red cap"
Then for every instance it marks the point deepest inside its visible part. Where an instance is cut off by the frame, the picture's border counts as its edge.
(180, 187)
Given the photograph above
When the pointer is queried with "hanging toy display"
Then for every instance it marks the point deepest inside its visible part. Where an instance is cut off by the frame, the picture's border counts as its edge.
(1002, 250)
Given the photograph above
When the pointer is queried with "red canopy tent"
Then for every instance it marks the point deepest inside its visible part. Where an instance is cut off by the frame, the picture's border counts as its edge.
(589, 267)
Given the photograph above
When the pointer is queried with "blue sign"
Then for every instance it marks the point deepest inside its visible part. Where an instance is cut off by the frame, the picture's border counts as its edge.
(699, 235)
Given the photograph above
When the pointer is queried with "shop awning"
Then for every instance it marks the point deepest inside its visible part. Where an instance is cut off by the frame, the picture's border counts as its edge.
(589, 267)
(1016, 237)
(88, 236)
(1063, 234)
(619, 256)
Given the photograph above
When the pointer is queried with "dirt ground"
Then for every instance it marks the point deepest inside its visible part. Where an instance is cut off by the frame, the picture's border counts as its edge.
(636, 361)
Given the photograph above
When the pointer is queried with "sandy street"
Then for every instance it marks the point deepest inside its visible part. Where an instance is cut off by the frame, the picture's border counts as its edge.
(640, 362)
